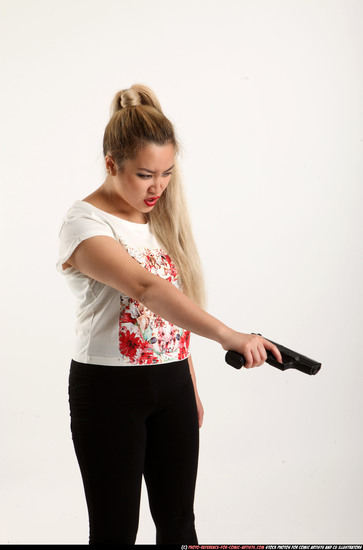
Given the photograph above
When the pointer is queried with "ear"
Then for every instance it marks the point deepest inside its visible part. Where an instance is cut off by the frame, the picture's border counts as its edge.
(110, 165)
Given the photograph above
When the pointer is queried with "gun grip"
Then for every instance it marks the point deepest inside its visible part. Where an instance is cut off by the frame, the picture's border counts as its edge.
(235, 359)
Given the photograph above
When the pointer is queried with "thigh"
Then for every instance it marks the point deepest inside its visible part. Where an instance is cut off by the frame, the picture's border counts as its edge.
(109, 439)
(171, 462)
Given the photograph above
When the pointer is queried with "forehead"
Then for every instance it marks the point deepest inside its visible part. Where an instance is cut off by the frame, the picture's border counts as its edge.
(155, 157)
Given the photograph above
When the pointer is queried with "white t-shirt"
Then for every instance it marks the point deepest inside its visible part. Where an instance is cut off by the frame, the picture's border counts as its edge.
(112, 328)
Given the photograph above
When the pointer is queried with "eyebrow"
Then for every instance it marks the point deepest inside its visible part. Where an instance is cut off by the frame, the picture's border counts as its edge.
(152, 172)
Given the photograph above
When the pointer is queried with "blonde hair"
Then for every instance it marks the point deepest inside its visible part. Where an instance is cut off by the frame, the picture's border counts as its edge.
(136, 120)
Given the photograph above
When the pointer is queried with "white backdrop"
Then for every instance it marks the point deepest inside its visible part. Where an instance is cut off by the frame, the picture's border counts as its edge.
(266, 98)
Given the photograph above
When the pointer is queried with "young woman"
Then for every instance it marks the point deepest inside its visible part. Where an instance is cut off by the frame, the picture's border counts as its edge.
(128, 254)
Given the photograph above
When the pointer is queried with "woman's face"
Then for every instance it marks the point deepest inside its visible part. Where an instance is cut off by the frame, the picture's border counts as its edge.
(141, 180)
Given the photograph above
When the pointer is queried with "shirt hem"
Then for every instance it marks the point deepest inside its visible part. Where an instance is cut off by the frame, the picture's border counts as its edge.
(118, 362)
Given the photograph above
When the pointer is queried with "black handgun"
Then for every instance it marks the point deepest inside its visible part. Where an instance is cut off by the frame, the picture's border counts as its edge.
(290, 360)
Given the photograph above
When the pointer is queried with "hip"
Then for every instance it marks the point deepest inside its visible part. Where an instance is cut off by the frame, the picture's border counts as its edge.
(106, 389)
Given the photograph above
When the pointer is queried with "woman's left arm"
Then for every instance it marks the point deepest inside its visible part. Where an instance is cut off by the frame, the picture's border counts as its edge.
(199, 403)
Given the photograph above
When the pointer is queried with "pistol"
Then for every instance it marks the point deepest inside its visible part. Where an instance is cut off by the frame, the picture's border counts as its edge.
(290, 360)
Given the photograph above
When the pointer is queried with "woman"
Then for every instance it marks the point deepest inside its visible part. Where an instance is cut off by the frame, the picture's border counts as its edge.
(128, 253)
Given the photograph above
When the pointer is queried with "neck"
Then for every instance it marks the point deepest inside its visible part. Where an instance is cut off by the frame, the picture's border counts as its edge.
(118, 205)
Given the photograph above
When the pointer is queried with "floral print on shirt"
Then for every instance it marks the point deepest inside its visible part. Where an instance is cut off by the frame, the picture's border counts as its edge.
(144, 337)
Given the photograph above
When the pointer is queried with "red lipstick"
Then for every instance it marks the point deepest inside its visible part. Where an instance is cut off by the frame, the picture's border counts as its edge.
(151, 201)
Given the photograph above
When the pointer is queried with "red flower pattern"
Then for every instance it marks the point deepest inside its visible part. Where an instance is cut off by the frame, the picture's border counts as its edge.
(184, 345)
(126, 318)
(129, 344)
(144, 337)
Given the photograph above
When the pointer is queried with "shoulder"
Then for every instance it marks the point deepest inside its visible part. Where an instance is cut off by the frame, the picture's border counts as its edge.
(100, 200)
(97, 199)
(84, 217)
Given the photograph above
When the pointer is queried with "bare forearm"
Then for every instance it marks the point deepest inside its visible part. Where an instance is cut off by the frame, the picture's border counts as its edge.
(164, 299)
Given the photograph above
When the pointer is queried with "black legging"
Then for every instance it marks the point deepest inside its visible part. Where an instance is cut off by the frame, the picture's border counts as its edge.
(132, 421)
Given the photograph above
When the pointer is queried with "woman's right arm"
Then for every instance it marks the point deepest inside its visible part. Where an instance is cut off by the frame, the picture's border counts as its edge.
(104, 259)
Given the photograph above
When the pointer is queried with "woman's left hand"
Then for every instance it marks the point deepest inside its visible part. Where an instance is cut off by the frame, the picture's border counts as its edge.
(200, 410)
(197, 399)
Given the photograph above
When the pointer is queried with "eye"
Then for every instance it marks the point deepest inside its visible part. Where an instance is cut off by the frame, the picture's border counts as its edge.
(147, 176)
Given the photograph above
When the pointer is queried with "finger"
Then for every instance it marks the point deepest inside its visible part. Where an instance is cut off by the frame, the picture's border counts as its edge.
(258, 359)
(275, 351)
(248, 359)
(263, 354)
(257, 362)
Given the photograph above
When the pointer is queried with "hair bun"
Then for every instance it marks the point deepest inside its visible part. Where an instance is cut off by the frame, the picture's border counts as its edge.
(137, 94)
(129, 98)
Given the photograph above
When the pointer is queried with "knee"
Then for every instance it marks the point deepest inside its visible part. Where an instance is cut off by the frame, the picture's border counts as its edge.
(177, 530)
(93, 541)
(113, 536)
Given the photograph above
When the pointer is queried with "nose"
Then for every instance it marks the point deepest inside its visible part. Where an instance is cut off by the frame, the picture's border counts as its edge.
(158, 185)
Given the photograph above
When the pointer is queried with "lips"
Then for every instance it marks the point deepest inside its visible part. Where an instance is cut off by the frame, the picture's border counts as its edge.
(151, 201)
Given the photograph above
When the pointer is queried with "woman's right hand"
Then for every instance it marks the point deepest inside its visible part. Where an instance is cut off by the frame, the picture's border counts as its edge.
(252, 346)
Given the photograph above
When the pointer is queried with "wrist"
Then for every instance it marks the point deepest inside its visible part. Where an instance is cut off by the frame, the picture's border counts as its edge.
(223, 334)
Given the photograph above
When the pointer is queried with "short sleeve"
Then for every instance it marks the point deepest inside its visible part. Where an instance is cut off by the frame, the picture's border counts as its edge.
(75, 228)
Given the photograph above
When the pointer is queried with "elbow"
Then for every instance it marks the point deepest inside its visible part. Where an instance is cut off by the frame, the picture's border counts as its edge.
(148, 289)
(141, 293)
